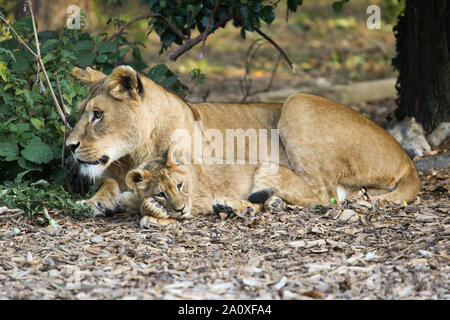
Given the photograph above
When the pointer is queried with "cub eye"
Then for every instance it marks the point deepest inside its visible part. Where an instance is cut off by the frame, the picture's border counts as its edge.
(161, 195)
(97, 115)
(180, 185)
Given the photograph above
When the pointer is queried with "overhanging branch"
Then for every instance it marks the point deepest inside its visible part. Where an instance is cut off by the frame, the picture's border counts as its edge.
(189, 44)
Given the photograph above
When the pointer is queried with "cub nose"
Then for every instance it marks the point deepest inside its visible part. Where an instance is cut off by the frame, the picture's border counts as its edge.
(73, 146)
(180, 210)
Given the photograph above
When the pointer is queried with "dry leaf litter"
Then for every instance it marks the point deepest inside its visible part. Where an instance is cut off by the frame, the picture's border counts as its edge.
(358, 250)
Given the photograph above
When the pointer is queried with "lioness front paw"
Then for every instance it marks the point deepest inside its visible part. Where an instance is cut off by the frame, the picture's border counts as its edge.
(274, 204)
(150, 207)
(222, 205)
(149, 221)
(102, 207)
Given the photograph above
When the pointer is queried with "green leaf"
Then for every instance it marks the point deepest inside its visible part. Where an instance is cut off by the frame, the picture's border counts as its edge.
(156, 73)
(23, 163)
(293, 4)
(101, 58)
(337, 6)
(21, 65)
(48, 57)
(37, 123)
(267, 15)
(37, 151)
(19, 177)
(3, 71)
(9, 149)
(167, 38)
(85, 45)
(106, 46)
(86, 60)
(51, 44)
(40, 182)
(169, 81)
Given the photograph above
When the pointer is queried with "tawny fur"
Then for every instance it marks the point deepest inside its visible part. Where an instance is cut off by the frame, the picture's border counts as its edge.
(326, 144)
(201, 188)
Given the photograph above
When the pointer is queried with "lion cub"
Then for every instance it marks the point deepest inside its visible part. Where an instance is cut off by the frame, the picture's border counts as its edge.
(168, 188)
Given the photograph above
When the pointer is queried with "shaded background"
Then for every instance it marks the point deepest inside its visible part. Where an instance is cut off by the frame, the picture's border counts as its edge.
(326, 47)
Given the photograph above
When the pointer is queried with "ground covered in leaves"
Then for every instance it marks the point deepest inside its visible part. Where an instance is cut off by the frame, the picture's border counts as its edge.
(355, 251)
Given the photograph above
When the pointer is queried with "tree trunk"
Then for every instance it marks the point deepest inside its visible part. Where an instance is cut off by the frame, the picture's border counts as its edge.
(423, 62)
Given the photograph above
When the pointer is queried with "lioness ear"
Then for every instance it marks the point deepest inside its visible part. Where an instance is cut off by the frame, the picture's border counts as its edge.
(124, 83)
(135, 176)
(87, 75)
(175, 156)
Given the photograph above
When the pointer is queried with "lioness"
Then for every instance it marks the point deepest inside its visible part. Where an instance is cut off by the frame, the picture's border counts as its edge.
(127, 119)
(170, 188)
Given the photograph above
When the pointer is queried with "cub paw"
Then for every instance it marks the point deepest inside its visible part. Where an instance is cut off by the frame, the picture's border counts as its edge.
(274, 204)
(148, 221)
(151, 207)
(222, 205)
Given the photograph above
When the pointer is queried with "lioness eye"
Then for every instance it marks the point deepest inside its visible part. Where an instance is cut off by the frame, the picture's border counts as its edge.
(180, 185)
(97, 115)
(161, 195)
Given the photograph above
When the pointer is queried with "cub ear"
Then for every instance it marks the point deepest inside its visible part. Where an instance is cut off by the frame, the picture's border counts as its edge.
(175, 156)
(136, 176)
(87, 75)
(124, 83)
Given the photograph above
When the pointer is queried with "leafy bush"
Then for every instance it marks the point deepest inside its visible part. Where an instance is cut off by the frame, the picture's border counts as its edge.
(31, 132)
(35, 197)
(196, 14)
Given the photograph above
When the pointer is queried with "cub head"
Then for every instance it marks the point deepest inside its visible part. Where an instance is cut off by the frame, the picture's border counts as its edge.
(167, 181)
(111, 118)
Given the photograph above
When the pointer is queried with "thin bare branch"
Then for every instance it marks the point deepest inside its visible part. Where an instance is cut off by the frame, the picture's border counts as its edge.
(246, 82)
(210, 20)
(65, 114)
(17, 36)
(189, 44)
(39, 59)
(286, 57)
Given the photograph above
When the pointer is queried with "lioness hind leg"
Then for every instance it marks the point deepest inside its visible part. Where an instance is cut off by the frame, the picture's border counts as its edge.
(283, 183)
(406, 188)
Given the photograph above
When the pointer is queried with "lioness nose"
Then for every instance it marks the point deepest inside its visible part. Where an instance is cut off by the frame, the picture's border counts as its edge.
(73, 146)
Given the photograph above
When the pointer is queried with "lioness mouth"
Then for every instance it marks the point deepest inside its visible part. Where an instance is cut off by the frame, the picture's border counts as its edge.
(102, 160)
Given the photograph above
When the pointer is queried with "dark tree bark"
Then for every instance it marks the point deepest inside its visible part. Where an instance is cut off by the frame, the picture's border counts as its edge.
(423, 62)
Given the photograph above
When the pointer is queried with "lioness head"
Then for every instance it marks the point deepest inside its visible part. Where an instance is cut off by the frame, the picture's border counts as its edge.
(110, 125)
(168, 181)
